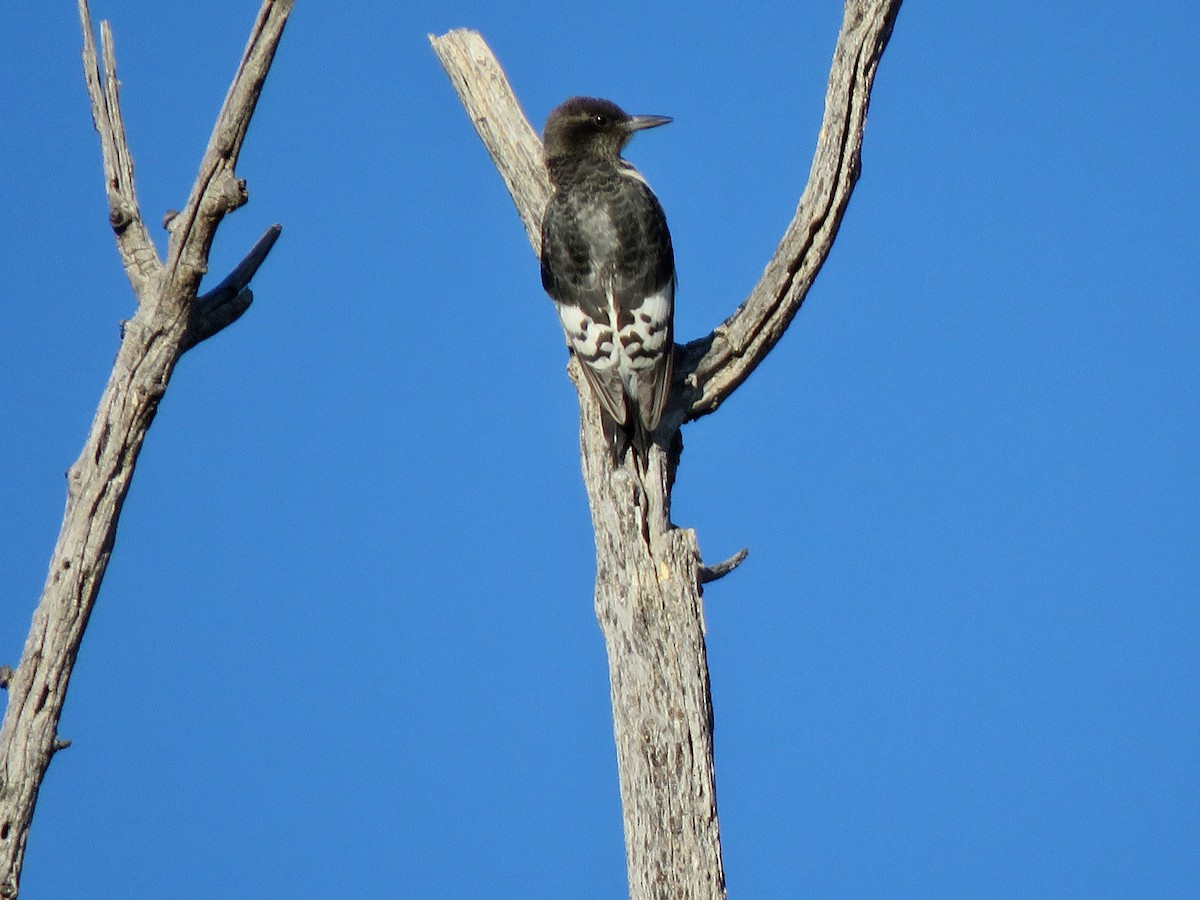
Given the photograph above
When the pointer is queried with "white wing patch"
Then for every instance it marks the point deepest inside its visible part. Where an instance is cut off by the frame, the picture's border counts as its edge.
(591, 341)
(644, 339)
(634, 362)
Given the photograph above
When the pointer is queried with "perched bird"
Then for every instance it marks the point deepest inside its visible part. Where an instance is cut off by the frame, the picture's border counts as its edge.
(608, 265)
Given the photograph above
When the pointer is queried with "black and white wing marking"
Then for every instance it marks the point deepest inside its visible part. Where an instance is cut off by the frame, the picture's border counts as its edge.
(572, 278)
(608, 263)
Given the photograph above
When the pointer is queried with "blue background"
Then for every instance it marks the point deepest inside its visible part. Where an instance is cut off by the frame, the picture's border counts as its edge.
(346, 644)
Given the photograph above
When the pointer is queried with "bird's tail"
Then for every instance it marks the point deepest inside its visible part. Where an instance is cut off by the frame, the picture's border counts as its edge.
(631, 437)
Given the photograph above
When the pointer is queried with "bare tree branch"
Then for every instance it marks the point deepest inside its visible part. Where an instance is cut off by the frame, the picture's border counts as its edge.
(224, 304)
(217, 190)
(709, 574)
(714, 366)
(490, 102)
(168, 321)
(133, 240)
(648, 572)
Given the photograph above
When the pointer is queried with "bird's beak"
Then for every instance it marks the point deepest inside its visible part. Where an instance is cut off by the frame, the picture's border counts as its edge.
(637, 123)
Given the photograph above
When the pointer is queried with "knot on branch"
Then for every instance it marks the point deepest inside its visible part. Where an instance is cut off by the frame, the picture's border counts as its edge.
(231, 191)
(120, 214)
(6, 677)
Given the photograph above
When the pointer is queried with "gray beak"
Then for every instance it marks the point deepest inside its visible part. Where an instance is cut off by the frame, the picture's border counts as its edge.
(637, 123)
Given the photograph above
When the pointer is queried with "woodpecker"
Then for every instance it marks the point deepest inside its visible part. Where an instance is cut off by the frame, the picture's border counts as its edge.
(608, 264)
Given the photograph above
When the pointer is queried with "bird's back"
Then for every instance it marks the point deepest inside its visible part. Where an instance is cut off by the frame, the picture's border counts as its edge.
(608, 263)
(605, 226)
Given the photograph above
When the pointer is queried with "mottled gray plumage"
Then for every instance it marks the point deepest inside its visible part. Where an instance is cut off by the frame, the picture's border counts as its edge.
(607, 262)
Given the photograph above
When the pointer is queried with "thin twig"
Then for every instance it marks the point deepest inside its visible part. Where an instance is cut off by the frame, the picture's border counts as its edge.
(708, 574)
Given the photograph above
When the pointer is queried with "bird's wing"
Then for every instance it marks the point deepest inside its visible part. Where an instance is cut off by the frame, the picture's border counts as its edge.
(584, 308)
(645, 292)
(652, 384)
(590, 337)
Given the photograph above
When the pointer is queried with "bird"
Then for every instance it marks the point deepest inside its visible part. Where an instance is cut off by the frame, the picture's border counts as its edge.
(608, 265)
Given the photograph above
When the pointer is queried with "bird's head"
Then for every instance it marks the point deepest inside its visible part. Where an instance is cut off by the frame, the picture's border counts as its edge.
(591, 127)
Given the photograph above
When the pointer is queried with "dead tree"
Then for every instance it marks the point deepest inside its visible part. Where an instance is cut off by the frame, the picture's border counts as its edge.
(171, 318)
(649, 573)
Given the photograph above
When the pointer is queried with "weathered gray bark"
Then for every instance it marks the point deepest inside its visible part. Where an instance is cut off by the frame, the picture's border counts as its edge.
(170, 319)
(648, 572)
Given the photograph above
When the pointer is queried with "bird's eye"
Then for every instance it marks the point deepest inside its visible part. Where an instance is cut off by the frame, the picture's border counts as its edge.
(600, 120)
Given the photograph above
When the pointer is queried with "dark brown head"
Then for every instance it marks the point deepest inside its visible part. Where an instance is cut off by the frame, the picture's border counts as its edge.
(591, 127)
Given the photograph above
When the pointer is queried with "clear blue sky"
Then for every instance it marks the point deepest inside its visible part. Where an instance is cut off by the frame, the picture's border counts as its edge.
(346, 645)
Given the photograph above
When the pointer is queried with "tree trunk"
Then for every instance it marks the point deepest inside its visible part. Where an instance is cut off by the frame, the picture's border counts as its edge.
(648, 572)
(648, 576)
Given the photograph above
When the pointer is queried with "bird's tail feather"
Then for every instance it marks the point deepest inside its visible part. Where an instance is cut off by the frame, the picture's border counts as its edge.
(632, 435)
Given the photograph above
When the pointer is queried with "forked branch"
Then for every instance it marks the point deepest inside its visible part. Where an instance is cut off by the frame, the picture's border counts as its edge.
(714, 366)
(709, 369)
(649, 573)
(142, 264)
(170, 319)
